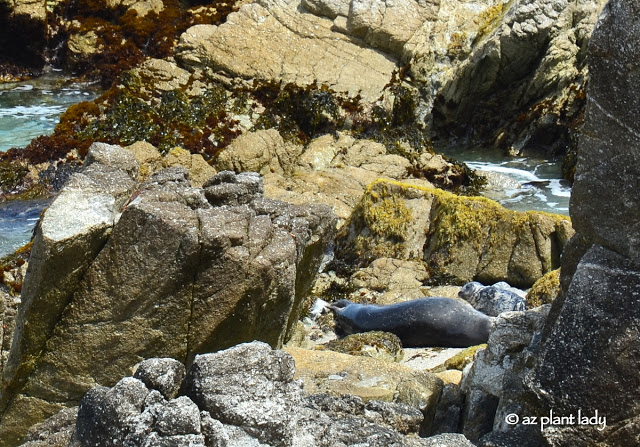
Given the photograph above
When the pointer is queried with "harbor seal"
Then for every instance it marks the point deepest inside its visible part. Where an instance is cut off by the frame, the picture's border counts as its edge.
(435, 321)
(493, 300)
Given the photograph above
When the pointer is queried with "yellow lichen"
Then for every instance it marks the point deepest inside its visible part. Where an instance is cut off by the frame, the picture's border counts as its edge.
(466, 237)
(545, 290)
(386, 214)
(463, 358)
(489, 18)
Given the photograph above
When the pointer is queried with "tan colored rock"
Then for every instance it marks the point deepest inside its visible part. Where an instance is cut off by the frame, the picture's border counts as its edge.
(162, 75)
(262, 151)
(199, 170)
(148, 157)
(33, 8)
(335, 172)
(391, 274)
(83, 44)
(458, 237)
(142, 7)
(302, 50)
(368, 378)
(452, 376)
(507, 67)
(388, 26)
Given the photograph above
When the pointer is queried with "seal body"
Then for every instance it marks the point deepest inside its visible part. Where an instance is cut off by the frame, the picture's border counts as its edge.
(493, 300)
(435, 321)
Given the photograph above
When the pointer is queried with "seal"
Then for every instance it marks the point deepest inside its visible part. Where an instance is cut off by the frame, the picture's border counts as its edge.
(434, 321)
(493, 300)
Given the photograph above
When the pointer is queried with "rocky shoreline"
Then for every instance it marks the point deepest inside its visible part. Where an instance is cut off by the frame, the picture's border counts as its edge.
(166, 298)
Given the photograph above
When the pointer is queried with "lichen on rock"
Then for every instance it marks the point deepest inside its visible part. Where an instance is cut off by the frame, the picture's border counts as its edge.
(460, 238)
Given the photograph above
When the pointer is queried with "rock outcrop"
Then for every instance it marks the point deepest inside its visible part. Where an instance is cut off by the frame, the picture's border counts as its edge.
(459, 238)
(581, 365)
(596, 324)
(215, 407)
(305, 50)
(123, 271)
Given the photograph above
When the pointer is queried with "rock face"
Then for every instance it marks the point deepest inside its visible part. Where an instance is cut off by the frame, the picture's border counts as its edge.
(583, 363)
(217, 408)
(597, 323)
(459, 238)
(304, 50)
(168, 270)
(536, 48)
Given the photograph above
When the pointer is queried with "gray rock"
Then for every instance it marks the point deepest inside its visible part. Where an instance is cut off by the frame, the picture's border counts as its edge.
(56, 431)
(394, 416)
(104, 413)
(227, 188)
(248, 385)
(590, 361)
(484, 380)
(608, 156)
(247, 398)
(113, 156)
(155, 440)
(178, 417)
(448, 412)
(171, 276)
(447, 440)
(164, 375)
(493, 300)
(214, 432)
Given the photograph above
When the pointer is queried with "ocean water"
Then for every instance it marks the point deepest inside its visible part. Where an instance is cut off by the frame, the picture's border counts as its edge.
(521, 183)
(32, 108)
(17, 219)
(27, 110)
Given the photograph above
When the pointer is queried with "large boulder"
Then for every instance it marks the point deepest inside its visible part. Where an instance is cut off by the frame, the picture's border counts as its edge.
(181, 271)
(596, 327)
(608, 159)
(460, 238)
(303, 50)
(590, 362)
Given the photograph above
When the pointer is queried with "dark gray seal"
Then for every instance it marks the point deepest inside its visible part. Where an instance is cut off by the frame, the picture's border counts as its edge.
(493, 300)
(435, 321)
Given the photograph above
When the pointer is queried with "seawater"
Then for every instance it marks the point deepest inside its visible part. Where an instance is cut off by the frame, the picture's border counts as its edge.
(530, 183)
(29, 109)
(32, 108)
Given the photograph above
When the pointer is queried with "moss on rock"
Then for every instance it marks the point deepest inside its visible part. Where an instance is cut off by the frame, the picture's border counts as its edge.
(376, 344)
(545, 290)
(460, 238)
(463, 358)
